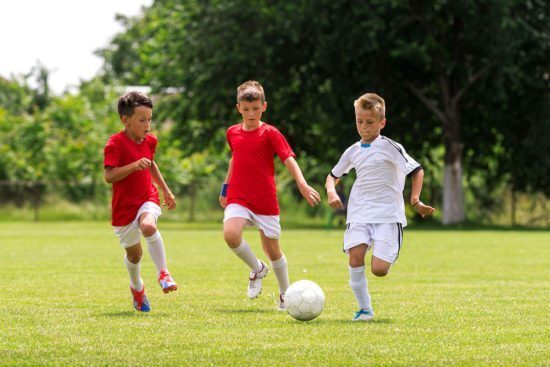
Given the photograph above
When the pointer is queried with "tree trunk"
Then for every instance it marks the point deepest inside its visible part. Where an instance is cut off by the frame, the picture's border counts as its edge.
(453, 193)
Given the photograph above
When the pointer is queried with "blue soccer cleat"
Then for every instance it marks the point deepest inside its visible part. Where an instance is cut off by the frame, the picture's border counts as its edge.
(141, 303)
(363, 315)
(166, 282)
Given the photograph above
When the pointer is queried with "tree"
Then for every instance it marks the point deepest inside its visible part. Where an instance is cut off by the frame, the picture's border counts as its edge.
(315, 58)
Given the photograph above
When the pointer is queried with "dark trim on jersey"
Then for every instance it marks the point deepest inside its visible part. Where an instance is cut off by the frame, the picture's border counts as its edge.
(399, 238)
(395, 146)
(415, 170)
(336, 177)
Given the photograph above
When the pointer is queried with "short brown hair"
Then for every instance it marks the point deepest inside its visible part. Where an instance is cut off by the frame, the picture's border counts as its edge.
(250, 91)
(372, 102)
(128, 102)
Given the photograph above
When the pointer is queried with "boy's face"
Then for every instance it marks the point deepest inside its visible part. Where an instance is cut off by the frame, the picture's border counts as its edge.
(251, 112)
(139, 124)
(368, 124)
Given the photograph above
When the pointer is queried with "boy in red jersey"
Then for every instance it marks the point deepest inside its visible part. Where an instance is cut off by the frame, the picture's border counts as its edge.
(129, 166)
(249, 194)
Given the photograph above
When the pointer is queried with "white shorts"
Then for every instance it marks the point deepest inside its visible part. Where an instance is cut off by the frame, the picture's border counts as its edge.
(130, 234)
(269, 224)
(384, 238)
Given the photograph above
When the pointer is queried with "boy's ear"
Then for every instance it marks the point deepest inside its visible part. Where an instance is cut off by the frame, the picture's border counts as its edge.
(237, 107)
(124, 119)
(264, 106)
(383, 123)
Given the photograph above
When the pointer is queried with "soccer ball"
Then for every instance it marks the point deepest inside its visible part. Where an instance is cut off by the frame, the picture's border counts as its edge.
(304, 300)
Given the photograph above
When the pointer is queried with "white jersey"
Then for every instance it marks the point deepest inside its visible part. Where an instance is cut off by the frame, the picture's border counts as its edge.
(377, 193)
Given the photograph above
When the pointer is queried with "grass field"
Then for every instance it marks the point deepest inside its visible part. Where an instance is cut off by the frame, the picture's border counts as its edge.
(467, 298)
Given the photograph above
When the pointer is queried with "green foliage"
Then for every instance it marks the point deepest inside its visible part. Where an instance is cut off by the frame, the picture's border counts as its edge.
(314, 59)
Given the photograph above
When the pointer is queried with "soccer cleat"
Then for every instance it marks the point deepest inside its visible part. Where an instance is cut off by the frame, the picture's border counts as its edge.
(255, 282)
(363, 315)
(281, 306)
(166, 282)
(141, 303)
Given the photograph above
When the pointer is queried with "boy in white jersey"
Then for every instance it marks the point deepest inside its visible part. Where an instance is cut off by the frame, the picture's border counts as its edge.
(376, 210)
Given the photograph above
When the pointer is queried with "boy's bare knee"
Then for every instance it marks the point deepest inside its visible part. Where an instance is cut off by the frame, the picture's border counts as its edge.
(134, 253)
(355, 263)
(232, 238)
(148, 229)
(380, 272)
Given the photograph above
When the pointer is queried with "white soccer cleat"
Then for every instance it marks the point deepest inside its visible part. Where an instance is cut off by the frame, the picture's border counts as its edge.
(363, 315)
(255, 282)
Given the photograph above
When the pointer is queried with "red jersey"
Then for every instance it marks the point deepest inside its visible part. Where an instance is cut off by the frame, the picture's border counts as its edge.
(130, 193)
(252, 181)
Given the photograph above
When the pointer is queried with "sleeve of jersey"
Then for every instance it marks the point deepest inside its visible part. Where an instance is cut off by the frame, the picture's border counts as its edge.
(111, 154)
(228, 138)
(343, 166)
(281, 146)
(405, 162)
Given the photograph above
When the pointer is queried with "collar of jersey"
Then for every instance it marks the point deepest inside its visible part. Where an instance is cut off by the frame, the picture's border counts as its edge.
(369, 145)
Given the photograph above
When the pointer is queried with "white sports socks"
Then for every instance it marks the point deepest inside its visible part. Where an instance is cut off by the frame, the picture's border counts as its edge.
(245, 253)
(281, 272)
(359, 286)
(155, 244)
(133, 272)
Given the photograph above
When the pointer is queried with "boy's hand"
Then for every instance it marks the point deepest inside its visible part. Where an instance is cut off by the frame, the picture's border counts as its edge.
(313, 198)
(169, 200)
(142, 164)
(334, 200)
(423, 209)
(223, 201)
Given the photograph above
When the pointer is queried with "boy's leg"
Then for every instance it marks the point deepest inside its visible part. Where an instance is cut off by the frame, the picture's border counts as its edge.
(388, 238)
(232, 233)
(236, 217)
(379, 267)
(129, 240)
(132, 260)
(155, 245)
(358, 280)
(278, 263)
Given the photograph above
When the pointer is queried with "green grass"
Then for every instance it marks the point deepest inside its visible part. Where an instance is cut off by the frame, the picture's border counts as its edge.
(472, 298)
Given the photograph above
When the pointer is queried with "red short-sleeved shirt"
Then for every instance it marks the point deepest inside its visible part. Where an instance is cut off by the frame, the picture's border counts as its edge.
(137, 188)
(252, 181)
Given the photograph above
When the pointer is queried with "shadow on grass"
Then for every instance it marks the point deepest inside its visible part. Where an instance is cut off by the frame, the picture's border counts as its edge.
(243, 310)
(321, 321)
(129, 314)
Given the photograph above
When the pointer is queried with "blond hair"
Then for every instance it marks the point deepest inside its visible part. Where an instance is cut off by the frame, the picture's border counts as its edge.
(372, 102)
(250, 91)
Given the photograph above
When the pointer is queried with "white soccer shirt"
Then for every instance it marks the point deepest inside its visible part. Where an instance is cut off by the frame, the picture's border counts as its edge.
(381, 169)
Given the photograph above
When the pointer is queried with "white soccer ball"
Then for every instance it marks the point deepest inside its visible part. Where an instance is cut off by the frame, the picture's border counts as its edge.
(304, 300)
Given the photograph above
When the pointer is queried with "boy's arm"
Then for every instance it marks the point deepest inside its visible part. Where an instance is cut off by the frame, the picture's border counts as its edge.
(309, 193)
(169, 199)
(418, 206)
(222, 199)
(334, 200)
(115, 174)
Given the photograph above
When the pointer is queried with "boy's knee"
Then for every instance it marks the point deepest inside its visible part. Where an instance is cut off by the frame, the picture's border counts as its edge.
(380, 271)
(355, 263)
(232, 237)
(148, 229)
(133, 254)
